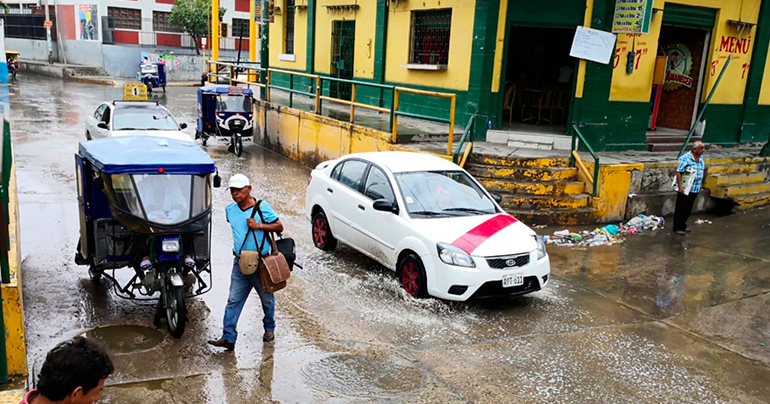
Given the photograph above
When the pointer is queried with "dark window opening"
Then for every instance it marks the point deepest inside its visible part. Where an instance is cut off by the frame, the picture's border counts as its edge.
(125, 18)
(288, 45)
(430, 37)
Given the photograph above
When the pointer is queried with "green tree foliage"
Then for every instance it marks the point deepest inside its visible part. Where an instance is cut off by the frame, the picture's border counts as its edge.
(194, 16)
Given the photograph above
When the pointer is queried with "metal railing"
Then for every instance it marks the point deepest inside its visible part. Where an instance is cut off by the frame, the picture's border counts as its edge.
(254, 73)
(467, 132)
(575, 159)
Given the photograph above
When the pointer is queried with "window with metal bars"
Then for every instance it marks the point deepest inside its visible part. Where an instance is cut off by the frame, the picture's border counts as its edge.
(160, 22)
(288, 44)
(125, 18)
(238, 25)
(430, 37)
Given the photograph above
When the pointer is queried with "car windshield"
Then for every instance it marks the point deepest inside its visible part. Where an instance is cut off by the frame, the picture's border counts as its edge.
(161, 198)
(234, 103)
(442, 194)
(131, 118)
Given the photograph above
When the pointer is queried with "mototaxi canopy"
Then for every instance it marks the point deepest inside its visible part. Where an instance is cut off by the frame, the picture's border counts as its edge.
(223, 89)
(146, 155)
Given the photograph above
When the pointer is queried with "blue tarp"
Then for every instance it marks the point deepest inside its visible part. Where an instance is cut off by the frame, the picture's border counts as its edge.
(222, 89)
(146, 155)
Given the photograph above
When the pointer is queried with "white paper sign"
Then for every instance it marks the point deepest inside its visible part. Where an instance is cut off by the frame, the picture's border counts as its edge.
(593, 44)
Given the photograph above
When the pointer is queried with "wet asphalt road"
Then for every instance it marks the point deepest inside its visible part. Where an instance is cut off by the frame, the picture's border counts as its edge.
(656, 319)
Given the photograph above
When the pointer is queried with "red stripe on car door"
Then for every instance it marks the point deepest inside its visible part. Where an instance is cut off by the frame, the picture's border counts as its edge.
(469, 241)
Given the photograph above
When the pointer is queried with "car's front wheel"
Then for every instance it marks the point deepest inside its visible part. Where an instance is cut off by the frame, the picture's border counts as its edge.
(411, 273)
(322, 234)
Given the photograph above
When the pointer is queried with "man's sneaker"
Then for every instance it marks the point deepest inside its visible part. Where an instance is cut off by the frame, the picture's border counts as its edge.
(221, 343)
(269, 336)
(680, 232)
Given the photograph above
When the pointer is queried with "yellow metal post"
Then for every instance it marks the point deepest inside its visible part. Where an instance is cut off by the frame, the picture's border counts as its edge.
(252, 40)
(317, 94)
(215, 29)
(451, 124)
(395, 116)
(353, 104)
(232, 72)
(267, 86)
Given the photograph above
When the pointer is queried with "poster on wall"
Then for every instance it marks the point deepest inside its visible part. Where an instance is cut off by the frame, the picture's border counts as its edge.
(593, 44)
(632, 16)
(88, 22)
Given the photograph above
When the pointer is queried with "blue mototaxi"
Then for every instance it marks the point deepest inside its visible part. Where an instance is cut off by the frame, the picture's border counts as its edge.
(146, 197)
(226, 114)
(153, 75)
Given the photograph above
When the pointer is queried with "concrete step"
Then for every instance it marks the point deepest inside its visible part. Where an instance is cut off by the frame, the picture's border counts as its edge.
(74, 71)
(752, 200)
(566, 217)
(733, 190)
(533, 188)
(529, 174)
(666, 139)
(667, 147)
(544, 202)
(519, 161)
(732, 168)
(715, 180)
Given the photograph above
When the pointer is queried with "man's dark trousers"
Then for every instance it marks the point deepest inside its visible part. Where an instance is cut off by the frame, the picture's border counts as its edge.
(684, 204)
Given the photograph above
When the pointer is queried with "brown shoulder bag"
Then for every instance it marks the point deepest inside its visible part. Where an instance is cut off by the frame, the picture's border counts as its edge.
(274, 269)
(249, 260)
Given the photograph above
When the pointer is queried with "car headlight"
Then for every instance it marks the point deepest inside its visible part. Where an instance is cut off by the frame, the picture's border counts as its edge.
(540, 247)
(170, 246)
(452, 255)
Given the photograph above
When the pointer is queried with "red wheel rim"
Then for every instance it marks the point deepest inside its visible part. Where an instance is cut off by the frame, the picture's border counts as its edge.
(319, 232)
(410, 278)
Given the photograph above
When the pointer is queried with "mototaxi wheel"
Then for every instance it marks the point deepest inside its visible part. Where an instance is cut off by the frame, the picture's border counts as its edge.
(322, 233)
(164, 89)
(94, 274)
(176, 311)
(411, 275)
(238, 145)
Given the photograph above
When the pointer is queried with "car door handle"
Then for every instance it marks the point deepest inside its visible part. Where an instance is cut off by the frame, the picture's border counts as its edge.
(331, 191)
(361, 207)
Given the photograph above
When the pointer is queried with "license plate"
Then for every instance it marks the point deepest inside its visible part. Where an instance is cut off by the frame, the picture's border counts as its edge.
(510, 280)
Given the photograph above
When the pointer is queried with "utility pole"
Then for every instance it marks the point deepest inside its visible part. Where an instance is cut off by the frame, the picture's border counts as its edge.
(49, 43)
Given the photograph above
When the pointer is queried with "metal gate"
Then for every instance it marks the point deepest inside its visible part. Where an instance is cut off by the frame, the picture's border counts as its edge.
(343, 42)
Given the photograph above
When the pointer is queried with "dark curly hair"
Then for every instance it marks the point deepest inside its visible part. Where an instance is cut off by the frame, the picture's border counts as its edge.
(79, 362)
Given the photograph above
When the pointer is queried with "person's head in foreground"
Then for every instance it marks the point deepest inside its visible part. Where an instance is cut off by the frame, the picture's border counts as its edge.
(73, 373)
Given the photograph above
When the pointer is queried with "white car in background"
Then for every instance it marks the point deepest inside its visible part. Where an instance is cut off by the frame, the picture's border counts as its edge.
(427, 219)
(133, 118)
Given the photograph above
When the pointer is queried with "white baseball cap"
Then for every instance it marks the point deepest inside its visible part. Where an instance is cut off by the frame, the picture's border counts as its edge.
(238, 181)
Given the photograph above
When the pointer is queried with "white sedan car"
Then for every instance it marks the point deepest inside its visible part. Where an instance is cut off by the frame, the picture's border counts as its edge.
(427, 219)
(133, 118)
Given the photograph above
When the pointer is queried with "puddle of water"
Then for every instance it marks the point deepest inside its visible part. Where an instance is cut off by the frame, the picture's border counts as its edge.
(358, 375)
(124, 339)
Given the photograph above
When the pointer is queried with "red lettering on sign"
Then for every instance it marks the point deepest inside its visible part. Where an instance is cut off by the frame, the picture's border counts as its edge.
(724, 44)
(733, 44)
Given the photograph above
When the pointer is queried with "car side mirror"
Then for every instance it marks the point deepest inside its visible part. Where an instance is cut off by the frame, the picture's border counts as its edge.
(384, 205)
(497, 198)
(217, 181)
(103, 125)
(182, 126)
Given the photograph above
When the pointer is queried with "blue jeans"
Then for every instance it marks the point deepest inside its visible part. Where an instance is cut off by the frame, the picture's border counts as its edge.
(240, 287)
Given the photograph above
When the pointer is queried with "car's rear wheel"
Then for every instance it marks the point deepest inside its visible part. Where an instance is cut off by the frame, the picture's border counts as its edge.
(322, 234)
(411, 273)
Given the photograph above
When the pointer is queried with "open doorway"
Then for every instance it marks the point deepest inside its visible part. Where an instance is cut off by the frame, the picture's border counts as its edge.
(538, 80)
(675, 102)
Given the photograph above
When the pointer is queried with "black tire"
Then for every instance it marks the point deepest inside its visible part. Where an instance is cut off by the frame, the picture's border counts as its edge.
(164, 89)
(149, 89)
(94, 274)
(176, 311)
(411, 275)
(205, 139)
(322, 233)
(88, 135)
(238, 146)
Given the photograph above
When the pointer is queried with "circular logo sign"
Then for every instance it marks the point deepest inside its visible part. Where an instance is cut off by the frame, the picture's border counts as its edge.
(510, 263)
(678, 67)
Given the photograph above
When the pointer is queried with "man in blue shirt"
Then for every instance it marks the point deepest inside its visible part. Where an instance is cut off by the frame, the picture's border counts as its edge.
(248, 232)
(690, 164)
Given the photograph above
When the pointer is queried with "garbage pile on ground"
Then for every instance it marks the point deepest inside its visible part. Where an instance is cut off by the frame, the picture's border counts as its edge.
(607, 235)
